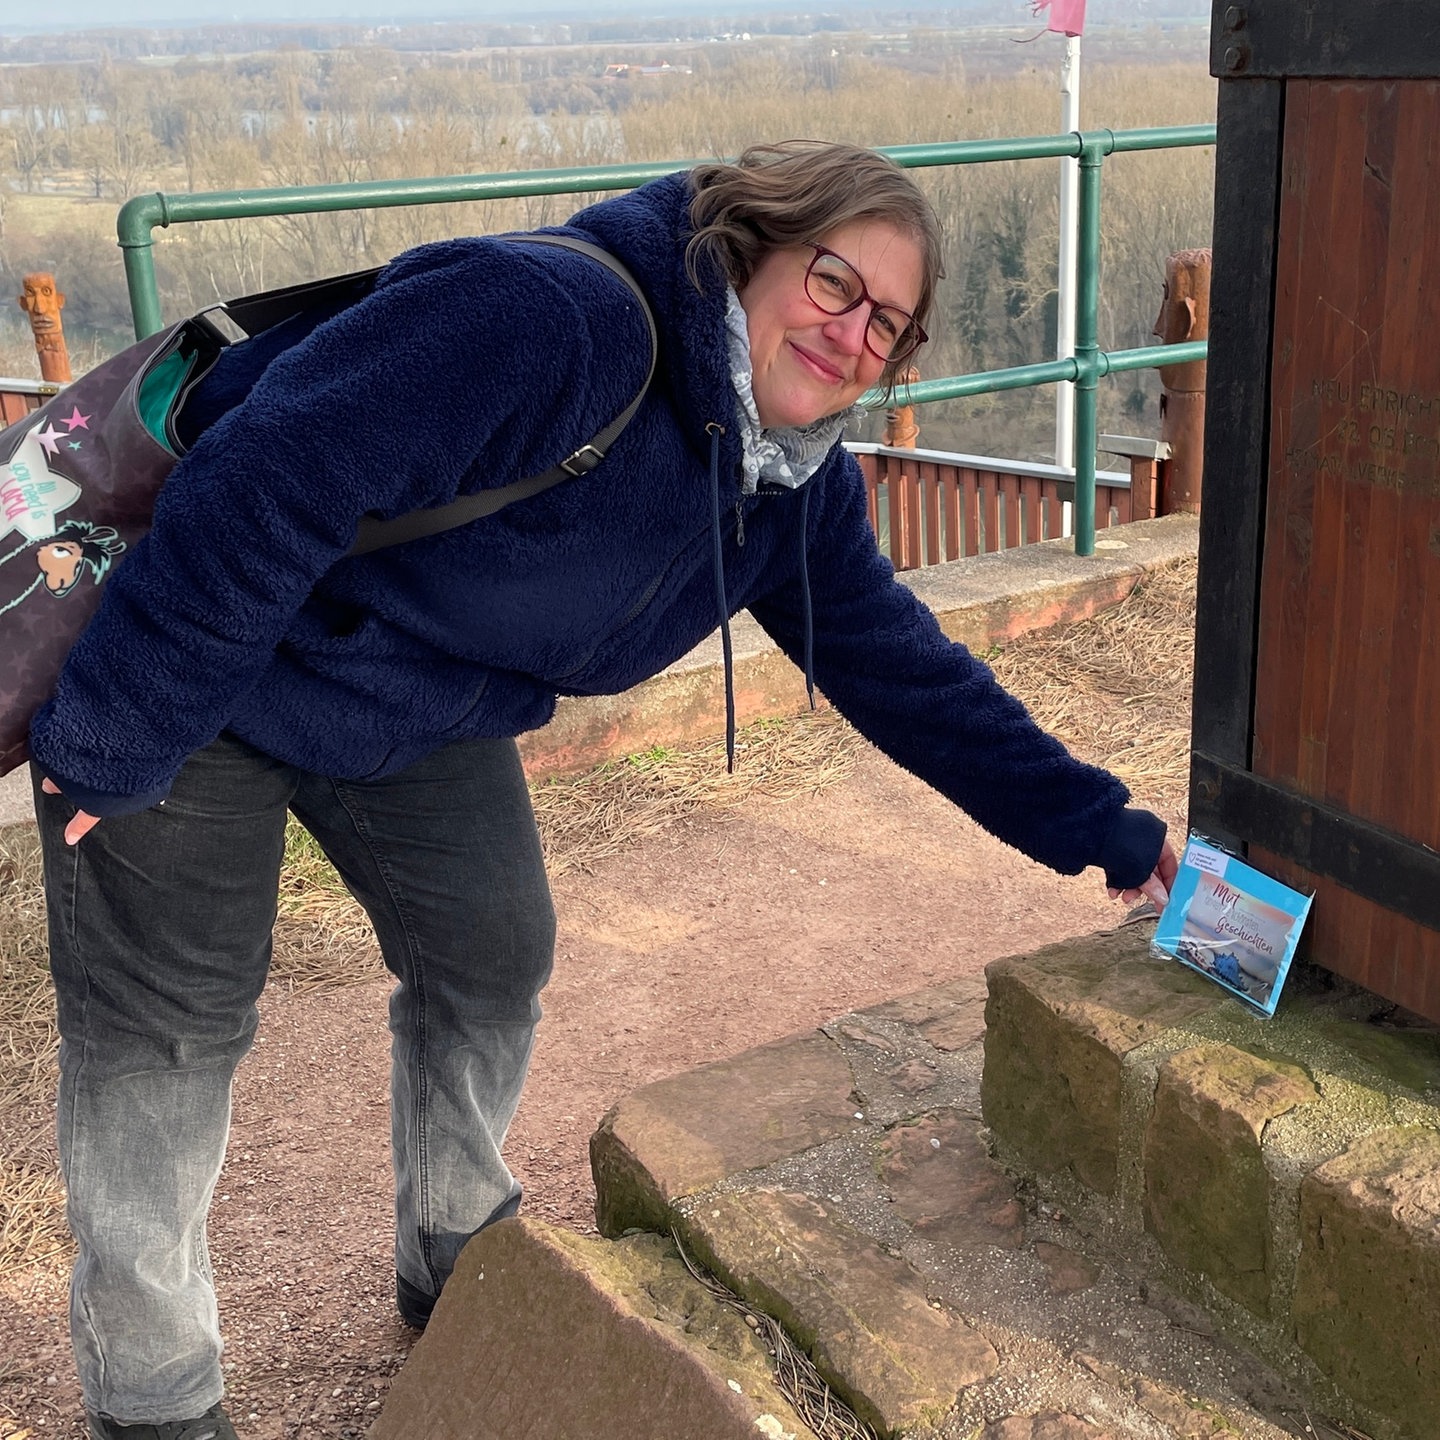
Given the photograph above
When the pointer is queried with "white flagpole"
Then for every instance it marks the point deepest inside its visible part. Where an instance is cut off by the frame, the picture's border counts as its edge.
(1069, 249)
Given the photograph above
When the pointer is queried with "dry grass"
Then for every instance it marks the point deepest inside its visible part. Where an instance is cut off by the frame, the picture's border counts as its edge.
(322, 937)
(1116, 689)
(588, 817)
(795, 1374)
(70, 208)
(31, 1218)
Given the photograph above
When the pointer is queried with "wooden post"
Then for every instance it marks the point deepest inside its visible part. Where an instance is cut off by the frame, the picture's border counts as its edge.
(901, 428)
(1144, 487)
(1184, 315)
(42, 301)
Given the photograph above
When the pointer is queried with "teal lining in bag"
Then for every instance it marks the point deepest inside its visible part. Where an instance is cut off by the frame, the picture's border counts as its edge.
(158, 391)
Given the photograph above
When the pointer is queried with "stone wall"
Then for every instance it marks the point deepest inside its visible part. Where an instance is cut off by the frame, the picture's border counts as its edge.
(1285, 1172)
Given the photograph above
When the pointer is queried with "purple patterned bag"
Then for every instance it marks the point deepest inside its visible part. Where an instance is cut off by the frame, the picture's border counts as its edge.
(78, 480)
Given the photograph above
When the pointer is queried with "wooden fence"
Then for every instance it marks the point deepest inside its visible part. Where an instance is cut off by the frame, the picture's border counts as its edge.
(927, 506)
(19, 397)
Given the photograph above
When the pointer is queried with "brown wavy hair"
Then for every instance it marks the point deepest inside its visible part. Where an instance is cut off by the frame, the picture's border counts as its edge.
(792, 193)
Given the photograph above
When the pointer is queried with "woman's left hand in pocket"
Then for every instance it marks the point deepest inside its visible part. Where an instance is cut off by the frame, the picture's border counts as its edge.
(80, 824)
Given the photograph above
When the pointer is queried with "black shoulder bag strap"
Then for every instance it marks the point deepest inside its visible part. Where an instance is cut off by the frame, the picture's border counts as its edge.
(376, 534)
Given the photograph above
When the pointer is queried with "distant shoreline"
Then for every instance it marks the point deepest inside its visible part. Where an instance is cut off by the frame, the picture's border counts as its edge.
(93, 19)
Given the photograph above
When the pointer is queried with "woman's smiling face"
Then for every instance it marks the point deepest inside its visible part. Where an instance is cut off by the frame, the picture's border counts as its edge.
(808, 364)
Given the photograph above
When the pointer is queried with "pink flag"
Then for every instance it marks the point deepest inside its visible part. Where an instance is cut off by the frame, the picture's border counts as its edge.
(1067, 17)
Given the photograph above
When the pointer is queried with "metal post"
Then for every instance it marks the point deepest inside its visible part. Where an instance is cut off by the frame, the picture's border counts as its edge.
(1065, 287)
(1087, 346)
(135, 226)
(144, 294)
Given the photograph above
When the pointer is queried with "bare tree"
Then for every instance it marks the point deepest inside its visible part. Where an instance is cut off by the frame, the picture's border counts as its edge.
(133, 155)
(302, 117)
(196, 115)
(34, 130)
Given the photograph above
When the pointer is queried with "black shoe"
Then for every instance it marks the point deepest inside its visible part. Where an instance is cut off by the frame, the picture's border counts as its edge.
(212, 1425)
(415, 1306)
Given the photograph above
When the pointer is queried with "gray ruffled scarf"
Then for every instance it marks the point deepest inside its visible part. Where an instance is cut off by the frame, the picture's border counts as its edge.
(788, 456)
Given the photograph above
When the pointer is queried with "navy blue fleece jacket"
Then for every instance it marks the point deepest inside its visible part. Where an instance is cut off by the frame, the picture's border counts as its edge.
(473, 363)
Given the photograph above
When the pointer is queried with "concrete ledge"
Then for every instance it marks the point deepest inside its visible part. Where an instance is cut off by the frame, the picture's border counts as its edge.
(1281, 1175)
(686, 702)
(990, 599)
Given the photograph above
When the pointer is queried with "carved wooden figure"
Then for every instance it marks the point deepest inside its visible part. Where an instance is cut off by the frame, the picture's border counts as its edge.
(42, 301)
(1184, 315)
(901, 428)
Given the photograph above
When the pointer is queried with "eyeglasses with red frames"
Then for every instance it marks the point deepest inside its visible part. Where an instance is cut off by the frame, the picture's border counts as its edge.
(834, 286)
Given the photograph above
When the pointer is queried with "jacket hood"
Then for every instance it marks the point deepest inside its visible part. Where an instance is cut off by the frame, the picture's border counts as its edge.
(648, 230)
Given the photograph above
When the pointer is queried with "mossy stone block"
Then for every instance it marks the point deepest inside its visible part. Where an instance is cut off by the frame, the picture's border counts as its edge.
(1207, 1191)
(548, 1335)
(1367, 1287)
(1059, 1024)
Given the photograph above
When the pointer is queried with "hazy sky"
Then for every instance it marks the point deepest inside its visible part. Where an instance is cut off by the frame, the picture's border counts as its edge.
(56, 13)
(18, 15)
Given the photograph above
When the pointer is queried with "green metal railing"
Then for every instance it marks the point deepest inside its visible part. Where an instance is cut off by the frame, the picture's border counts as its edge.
(139, 217)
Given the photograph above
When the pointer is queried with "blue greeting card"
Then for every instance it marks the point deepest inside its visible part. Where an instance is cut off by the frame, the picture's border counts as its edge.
(1232, 922)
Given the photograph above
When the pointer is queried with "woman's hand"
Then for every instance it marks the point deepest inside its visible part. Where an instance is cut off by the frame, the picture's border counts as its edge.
(1155, 889)
(80, 824)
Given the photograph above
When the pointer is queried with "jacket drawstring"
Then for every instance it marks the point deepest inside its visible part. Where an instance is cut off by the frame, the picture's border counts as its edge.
(805, 597)
(715, 432)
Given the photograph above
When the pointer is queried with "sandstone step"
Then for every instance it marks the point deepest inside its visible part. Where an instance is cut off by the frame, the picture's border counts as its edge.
(842, 1182)
(552, 1336)
(682, 1135)
(862, 1315)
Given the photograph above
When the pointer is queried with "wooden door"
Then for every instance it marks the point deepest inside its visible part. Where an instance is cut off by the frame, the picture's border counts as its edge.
(1347, 651)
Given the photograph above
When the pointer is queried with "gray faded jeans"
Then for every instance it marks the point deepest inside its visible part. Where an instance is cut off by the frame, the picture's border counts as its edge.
(160, 930)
